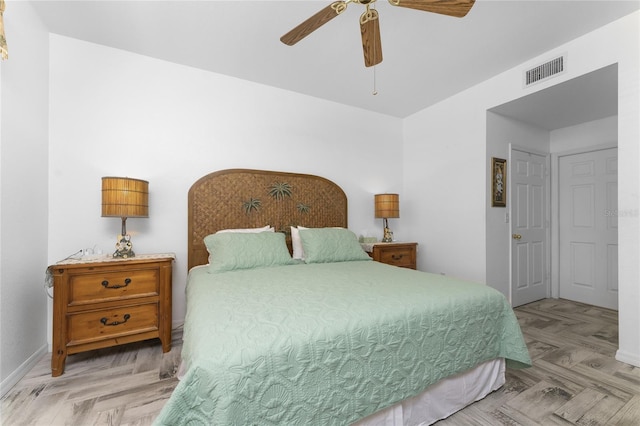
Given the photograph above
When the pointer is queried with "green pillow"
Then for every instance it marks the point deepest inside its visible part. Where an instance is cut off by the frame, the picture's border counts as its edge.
(231, 251)
(323, 245)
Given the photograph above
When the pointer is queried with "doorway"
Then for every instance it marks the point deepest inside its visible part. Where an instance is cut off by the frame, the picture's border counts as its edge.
(529, 182)
(571, 115)
(587, 261)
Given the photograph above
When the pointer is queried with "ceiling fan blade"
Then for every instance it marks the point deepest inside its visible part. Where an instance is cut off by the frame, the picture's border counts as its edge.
(371, 42)
(313, 23)
(457, 8)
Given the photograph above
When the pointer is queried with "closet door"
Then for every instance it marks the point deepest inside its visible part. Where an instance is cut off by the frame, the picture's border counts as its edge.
(588, 227)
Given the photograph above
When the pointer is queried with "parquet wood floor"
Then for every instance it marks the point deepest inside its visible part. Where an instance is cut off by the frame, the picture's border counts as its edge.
(575, 379)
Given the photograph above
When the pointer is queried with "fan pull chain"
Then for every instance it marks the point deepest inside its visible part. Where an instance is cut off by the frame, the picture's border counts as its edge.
(375, 91)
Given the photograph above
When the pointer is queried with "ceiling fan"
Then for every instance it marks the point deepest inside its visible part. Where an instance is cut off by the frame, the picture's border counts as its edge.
(369, 22)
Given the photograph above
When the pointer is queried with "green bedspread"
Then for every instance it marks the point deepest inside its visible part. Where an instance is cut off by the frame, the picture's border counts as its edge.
(328, 344)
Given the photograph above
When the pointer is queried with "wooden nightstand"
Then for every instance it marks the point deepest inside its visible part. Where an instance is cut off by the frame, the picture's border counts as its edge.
(107, 302)
(396, 254)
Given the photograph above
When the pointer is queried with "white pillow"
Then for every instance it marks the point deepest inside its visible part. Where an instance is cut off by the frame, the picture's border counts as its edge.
(248, 230)
(296, 242)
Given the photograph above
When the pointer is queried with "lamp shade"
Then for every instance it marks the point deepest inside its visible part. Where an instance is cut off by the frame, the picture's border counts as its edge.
(125, 197)
(387, 205)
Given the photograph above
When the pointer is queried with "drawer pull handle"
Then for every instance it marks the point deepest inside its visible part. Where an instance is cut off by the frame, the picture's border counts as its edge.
(127, 281)
(104, 320)
(397, 256)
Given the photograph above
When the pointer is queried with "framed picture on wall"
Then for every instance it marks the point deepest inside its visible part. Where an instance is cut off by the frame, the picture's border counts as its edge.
(498, 182)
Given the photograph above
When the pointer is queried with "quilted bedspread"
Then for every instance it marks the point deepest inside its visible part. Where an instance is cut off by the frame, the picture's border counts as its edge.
(328, 344)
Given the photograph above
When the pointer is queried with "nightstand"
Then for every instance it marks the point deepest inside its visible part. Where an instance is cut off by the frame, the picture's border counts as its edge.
(106, 302)
(396, 254)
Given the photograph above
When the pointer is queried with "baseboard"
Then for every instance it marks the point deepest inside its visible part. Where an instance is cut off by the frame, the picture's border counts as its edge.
(22, 370)
(628, 357)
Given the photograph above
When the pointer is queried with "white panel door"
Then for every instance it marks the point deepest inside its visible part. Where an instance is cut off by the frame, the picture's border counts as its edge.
(588, 227)
(529, 227)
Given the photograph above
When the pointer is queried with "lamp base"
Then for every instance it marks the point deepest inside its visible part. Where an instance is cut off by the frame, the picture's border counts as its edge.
(387, 236)
(124, 247)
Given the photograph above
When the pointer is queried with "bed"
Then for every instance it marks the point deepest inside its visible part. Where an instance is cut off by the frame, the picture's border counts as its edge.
(290, 322)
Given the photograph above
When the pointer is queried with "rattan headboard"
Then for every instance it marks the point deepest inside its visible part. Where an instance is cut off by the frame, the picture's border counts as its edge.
(243, 198)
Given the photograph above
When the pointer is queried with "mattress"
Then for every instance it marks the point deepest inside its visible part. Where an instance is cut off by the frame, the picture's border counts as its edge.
(330, 343)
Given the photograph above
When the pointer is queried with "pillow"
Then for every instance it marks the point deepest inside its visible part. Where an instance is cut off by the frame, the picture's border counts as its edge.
(248, 230)
(322, 245)
(229, 251)
(296, 242)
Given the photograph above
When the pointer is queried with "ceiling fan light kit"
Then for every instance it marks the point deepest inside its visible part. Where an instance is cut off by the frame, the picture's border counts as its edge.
(370, 22)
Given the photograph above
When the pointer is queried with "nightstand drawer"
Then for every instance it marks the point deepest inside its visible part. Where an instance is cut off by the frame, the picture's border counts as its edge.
(397, 257)
(395, 254)
(104, 286)
(91, 326)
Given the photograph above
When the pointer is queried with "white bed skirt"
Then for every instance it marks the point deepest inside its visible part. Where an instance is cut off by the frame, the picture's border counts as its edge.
(442, 399)
(438, 401)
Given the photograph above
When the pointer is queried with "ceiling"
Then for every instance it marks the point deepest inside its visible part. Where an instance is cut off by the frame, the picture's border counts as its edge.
(591, 96)
(427, 57)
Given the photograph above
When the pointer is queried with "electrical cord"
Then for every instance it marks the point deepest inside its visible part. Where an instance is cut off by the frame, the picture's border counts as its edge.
(48, 276)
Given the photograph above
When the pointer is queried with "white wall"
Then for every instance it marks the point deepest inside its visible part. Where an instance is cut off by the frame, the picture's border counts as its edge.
(591, 133)
(444, 180)
(446, 166)
(23, 193)
(114, 113)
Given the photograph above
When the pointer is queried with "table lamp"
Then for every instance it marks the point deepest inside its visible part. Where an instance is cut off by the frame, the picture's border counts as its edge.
(387, 206)
(124, 197)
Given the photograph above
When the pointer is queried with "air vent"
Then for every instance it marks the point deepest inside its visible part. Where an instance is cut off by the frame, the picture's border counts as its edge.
(547, 70)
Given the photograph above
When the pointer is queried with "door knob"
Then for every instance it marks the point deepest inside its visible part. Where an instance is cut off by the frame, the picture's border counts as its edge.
(516, 236)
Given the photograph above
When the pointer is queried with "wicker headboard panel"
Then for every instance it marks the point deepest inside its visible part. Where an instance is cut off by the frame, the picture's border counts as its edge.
(243, 198)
